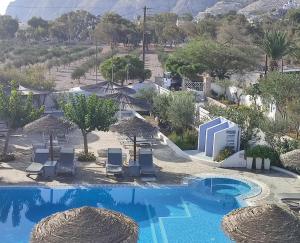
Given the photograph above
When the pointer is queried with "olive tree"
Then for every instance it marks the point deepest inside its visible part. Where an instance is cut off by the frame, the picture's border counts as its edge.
(181, 112)
(118, 69)
(279, 89)
(16, 112)
(90, 113)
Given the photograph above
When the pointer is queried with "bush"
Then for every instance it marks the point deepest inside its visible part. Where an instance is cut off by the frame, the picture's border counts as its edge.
(264, 152)
(286, 145)
(7, 158)
(187, 141)
(291, 161)
(90, 157)
(224, 154)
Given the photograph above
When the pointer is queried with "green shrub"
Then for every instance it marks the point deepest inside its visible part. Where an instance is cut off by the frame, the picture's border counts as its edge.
(7, 158)
(286, 145)
(224, 154)
(90, 157)
(264, 152)
(187, 141)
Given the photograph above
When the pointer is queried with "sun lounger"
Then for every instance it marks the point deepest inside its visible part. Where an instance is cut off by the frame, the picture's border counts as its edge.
(34, 169)
(41, 156)
(36, 146)
(114, 163)
(146, 162)
(66, 162)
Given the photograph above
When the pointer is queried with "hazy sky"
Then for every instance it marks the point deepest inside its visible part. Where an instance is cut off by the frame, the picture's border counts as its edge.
(3, 5)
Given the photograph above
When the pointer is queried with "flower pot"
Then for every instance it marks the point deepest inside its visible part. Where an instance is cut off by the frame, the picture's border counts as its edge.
(267, 164)
(249, 163)
(258, 163)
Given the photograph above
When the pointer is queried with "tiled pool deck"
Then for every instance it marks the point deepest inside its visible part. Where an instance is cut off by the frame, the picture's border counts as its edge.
(171, 170)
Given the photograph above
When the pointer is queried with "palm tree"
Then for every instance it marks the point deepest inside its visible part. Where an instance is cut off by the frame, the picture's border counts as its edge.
(276, 45)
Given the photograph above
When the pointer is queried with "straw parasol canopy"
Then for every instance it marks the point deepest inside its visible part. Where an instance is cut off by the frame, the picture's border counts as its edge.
(291, 160)
(86, 224)
(134, 127)
(103, 88)
(267, 223)
(49, 124)
(127, 101)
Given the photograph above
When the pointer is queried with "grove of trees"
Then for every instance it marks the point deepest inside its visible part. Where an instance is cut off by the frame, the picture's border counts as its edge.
(120, 68)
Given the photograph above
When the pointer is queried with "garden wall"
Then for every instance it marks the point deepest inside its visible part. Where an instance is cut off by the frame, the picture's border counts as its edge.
(235, 161)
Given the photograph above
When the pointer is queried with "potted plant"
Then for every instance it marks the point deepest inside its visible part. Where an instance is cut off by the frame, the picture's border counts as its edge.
(267, 164)
(258, 163)
(249, 162)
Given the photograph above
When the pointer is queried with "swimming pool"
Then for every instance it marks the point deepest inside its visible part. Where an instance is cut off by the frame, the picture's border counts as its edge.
(168, 214)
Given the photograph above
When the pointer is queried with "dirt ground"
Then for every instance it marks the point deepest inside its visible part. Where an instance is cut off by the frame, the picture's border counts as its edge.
(64, 82)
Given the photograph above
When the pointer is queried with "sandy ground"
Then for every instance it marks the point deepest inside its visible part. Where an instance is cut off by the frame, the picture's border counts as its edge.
(171, 169)
(154, 65)
(63, 80)
(62, 75)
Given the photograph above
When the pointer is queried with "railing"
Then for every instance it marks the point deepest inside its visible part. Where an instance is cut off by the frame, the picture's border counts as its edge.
(161, 90)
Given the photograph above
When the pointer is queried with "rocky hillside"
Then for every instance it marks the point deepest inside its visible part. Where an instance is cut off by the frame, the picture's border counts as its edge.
(262, 6)
(223, 7)
(50, 9)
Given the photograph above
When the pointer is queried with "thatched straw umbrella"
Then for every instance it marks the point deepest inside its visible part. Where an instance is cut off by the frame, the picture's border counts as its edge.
(105, 88)
(134, 127)
(291, 160)
(50, 125)
(86, 224)
(267, 223)
(127, 101)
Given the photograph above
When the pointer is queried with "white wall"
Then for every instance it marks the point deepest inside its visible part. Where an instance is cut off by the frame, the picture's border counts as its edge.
(235, 161)
(221, 140)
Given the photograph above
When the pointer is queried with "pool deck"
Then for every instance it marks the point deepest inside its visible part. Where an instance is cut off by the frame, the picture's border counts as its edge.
(171, 169)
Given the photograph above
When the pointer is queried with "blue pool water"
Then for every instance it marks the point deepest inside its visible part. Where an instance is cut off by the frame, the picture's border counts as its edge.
(187, 213)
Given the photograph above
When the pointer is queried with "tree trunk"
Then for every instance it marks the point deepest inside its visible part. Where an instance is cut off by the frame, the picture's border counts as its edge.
(5, 148)
(85, 143)
(266, 65)
(274, 65)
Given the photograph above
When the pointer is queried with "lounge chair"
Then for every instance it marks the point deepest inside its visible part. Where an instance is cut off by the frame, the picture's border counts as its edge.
(40, 156)
(114, 163)
(292, 200)
(66, 162)
(34, 169)
(146, 162)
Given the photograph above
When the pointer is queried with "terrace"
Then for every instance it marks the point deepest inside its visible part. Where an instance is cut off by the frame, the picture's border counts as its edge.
(171, 168)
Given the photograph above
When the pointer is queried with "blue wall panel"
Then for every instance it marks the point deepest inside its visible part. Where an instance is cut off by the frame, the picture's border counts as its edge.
(210, 137)
(202, 133)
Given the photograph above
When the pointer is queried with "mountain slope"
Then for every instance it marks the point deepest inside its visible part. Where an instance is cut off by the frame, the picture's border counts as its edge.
(223, 7)
(50, 9)
(263, 6)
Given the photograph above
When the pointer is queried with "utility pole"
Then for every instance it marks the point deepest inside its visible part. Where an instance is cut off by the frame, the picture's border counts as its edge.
(96, 62)
(112, 73)
(144, 38)
(127, 77)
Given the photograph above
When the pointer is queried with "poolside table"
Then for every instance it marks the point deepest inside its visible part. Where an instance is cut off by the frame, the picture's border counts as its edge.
(50, 169)
(133, 169)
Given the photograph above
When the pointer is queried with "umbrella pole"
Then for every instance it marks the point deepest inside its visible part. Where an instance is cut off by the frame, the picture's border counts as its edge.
(51, 147)
(134, 148)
